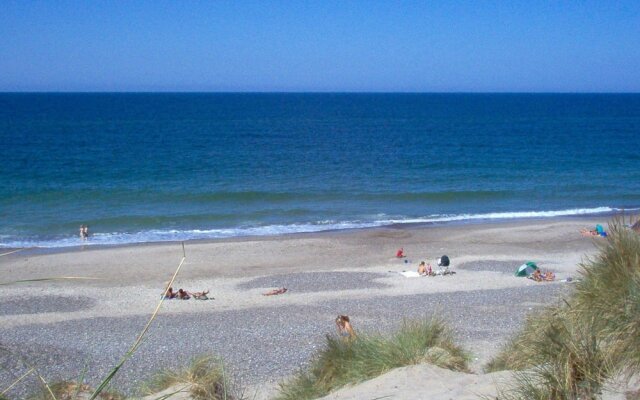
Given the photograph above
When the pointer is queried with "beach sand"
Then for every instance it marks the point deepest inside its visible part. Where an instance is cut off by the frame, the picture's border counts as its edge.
(64, 326)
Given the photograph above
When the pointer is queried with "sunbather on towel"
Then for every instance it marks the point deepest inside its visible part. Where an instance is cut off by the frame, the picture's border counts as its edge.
(183, 295)
(539, 276)
(598, 231)
(275, 292)
(200, 295)
(425, 269)
(422, 269)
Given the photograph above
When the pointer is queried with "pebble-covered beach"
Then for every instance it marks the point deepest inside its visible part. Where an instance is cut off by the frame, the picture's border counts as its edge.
(264, 344)
(74, 329)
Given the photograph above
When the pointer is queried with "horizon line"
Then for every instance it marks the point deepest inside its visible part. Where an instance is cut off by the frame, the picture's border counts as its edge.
(303, 92)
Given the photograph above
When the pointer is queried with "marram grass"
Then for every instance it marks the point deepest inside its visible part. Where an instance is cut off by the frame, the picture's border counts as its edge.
(203, 379)
(571, 351)
(610, 293)
(66, 390)
(344, 362)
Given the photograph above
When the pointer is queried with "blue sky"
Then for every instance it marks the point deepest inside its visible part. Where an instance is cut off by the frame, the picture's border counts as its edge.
(430, 46)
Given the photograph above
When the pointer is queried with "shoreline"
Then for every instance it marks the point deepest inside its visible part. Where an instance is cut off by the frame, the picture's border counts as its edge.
(32, 251)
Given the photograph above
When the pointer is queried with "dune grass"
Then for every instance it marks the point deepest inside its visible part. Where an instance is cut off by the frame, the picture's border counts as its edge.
(203, 379)
(570, 351)
(564, 360)
(610, 293)
(67, 390)
(344, 362)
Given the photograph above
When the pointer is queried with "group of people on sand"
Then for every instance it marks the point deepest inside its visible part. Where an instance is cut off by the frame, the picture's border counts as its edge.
(182, 294)
(425, 268)
(540, 276)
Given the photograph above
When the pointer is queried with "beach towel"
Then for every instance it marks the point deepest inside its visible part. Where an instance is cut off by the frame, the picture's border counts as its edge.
(410, 274)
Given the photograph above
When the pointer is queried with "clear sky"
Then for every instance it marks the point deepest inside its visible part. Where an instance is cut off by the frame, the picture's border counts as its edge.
(428, 46)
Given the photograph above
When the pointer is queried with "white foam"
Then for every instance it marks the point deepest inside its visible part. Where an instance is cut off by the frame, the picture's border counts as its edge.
(115, 238)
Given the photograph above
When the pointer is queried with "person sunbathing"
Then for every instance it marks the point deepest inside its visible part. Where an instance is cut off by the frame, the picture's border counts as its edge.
(200, 295)
(548, 276)
(540, 276)
(598, 231)
(345, 330)
(169, 294)
(400, 253)
(183, 295)
(275, 292)
(536, 276)
(425, 269)
(422, 269)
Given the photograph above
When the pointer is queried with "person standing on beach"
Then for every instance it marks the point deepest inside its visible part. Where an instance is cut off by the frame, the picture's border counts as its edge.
(84, 232)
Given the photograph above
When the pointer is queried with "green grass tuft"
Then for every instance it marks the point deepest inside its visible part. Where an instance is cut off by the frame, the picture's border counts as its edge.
(569, 352)
(610, 293)
(67, 390)
(204, 379)
(344, 362)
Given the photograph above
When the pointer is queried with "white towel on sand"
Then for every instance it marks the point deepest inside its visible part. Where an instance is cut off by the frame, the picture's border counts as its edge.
(410, 274)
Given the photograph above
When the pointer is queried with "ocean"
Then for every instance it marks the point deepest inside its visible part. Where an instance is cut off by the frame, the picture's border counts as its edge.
(162, 167)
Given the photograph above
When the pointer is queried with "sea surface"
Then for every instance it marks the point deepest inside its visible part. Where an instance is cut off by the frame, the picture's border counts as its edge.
(158, 167)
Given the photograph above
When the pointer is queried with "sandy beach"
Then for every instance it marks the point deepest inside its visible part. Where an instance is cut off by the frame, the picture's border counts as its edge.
(64, 326)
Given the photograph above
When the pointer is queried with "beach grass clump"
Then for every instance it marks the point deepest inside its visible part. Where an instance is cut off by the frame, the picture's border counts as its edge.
(515, 355)
(571, 351)
(522, 350)
(69, 390)
(204, 379)
(610, 292)
(344, 362)
(565, 360)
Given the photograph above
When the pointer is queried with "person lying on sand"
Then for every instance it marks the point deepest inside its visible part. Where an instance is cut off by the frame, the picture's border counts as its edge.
(169, 294)
(539, 276)
(183, 295)
(275, 292)
(400, 253)
(598, 231)
(345, 330)
(200, 295)
(587, 232)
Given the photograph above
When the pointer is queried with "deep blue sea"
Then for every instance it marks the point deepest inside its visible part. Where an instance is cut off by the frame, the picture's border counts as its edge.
(155, 167)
